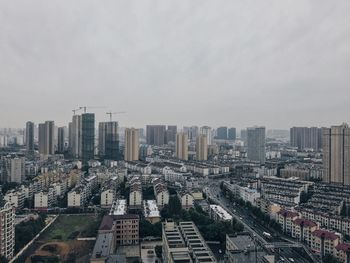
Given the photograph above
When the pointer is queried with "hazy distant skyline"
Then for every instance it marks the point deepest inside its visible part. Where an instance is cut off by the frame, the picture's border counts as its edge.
(199, 62)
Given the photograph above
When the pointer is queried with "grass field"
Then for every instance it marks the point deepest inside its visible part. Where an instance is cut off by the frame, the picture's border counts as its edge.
(68, 227)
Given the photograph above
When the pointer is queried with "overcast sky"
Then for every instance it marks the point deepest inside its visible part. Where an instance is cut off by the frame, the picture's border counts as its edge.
(235, 63)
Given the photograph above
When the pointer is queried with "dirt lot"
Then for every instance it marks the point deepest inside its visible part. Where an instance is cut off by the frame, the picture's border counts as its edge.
(60, 239)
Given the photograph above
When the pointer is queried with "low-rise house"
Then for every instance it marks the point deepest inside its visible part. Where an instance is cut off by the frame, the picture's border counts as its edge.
(286, 219)
(107, 197)
(302, 230)
(324, 242)
(15, 197)
(151, 211)
(119, 207)
(135, 195)
(161, 193)
(218, 213)
(187, 200)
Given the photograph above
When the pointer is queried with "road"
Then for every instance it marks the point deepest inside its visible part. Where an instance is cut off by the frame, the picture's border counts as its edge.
(287, 254)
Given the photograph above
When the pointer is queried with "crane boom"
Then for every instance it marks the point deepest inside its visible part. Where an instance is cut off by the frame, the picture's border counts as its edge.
(113, 113)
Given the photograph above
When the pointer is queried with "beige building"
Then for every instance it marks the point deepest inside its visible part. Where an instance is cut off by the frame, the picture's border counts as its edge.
(107, 198)
(7, 230)
(202, 148)
(161, 193)
(131, 152)
(181, 146)
(187, 200)
(47, 138)
(324, 242)
(336, 154)
(127, 229)
(302, 230)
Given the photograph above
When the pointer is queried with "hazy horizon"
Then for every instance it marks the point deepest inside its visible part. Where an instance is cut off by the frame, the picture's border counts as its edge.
(229, 63)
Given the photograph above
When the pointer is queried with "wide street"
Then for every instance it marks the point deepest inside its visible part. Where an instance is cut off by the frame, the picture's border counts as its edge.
(287, 252)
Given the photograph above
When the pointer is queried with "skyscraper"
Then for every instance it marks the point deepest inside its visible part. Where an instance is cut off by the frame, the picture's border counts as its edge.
(244, 135)
(181, 146)
(46, 138)
(30, 137)
(171, 133)
(131, 152)
(108, 140)
(192, 133)
(87, 137)
(231, 134)
(206, 130)
(336, 154)
(256, 144)
(75, 139)
(202, 147)
(221, 133)
(155, 134)
(304, 137)
(60, 136)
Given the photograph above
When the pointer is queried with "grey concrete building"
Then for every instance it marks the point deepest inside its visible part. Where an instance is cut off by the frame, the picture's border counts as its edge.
(256, 144)
(336, 154)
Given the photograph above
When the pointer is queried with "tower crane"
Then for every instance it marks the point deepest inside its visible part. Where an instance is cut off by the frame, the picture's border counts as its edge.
(113, 113)
(75, 110)
(90, 107)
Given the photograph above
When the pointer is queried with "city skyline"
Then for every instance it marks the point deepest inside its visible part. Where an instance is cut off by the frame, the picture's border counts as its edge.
(181, 63)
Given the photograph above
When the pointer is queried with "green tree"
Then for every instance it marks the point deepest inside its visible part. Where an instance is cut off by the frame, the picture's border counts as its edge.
(148, 229)
(174, 206)
(148, 193)
(159, 251)
(343, 210)
(329, 259)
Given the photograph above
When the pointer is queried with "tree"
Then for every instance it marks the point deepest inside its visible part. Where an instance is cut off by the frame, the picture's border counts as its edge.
(343, 210)
(174, 206)
(3, 259)
(148, 193)
(329, 259)
(159, 251)
(147, 229)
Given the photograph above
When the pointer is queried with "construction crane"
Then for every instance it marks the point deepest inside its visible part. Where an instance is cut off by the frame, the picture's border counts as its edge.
(75, 110)
(90, 107)
(112, 113)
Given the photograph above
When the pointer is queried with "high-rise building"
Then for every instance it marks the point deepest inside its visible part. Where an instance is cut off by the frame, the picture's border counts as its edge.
(256, 144)
(17, 169)
(47, 138)
(7, 229)
(70, 136)
(231, 134)
(202, 148)
(206, 130)
(336, 154)
(192, 133)
(244, 135)
(131, 151)
(181, 146)
(171, 133)
(108, 140)
(60, 139)
(30, 137)
(221, 133)
(155, 134)
(304, 137)
(87, 137)
(75, 140)
(12, 169)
